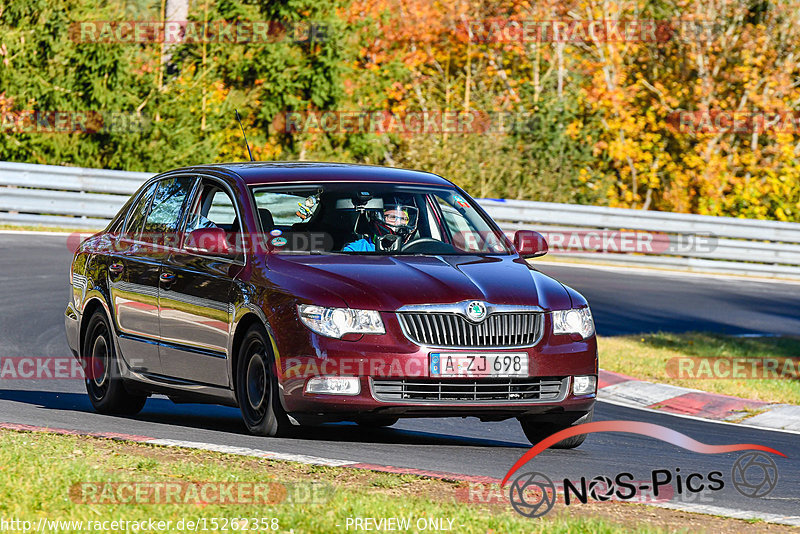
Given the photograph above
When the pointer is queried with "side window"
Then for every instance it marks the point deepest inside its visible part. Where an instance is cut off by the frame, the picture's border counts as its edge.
(138, 212)
(214, 209)
(167, 206)
(221, 211)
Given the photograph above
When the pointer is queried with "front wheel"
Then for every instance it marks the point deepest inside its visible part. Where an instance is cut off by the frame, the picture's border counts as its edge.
(103, 383)
(536, 431)
(257, 387)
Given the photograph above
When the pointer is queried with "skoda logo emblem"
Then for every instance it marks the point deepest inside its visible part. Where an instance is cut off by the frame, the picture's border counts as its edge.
(476, 311)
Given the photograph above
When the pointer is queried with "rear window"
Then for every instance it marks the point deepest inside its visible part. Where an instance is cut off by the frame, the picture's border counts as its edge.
(289, 207)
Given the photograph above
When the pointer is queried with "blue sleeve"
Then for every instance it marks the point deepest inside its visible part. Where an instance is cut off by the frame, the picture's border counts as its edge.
(362, 245)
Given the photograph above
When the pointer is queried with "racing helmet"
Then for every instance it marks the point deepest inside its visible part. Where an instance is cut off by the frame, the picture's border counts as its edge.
(398, 217)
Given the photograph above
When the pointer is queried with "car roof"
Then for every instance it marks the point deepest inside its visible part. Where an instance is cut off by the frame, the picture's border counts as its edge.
(258, 172)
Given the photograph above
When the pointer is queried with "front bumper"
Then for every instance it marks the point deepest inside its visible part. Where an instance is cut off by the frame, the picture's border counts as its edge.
(391, 359)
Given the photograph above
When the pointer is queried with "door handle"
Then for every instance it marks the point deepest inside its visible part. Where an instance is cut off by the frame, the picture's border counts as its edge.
(167, 277)
(116, 268)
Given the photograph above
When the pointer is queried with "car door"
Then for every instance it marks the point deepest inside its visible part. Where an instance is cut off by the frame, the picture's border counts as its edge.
(194, 305)
(133, 286)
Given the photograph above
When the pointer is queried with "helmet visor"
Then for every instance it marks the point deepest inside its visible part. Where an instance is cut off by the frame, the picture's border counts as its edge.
(400, 217)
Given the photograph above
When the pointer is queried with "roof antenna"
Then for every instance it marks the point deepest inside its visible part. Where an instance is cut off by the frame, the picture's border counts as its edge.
(238, 118)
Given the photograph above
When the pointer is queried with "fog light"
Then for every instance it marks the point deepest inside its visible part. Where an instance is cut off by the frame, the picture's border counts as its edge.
(334, 385)
(583, 385)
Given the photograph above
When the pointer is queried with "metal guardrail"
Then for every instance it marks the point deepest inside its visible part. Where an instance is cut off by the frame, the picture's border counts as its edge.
(73, 197)
(693, 242)
(67, 197)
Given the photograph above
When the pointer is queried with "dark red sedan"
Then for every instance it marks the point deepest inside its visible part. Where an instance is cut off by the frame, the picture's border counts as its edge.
(313, 292)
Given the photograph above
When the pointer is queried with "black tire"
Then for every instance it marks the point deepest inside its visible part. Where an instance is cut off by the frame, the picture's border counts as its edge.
(257, 387)
(377, 422)
(536, 431)
(103, 382)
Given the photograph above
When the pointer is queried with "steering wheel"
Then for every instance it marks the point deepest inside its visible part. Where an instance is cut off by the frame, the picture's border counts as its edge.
(420, 241)
(387, 243)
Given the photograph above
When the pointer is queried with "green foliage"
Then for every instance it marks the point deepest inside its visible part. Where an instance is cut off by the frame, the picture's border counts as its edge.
(598, 114)
(185, 115)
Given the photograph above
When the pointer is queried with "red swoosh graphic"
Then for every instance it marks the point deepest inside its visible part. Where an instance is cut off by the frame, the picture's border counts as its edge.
(634, 427)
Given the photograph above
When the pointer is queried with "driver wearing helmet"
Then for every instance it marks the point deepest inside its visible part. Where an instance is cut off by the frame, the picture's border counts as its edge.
(390, 228)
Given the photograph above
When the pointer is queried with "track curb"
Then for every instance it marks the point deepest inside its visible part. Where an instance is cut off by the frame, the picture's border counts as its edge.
(629, 391)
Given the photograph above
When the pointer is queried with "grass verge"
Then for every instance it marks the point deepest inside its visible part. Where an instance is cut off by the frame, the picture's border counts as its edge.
(653, 357)
(41, 477)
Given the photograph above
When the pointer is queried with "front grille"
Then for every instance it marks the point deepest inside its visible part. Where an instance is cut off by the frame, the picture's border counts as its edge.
(453, 330)
(465, 390)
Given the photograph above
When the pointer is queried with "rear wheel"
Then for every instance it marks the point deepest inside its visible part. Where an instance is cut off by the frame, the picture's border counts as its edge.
(536, 431)
(257, 387)
(103, 382)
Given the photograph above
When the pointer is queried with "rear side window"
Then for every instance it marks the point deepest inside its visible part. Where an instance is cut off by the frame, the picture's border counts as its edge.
(138, 213)
(167, 205)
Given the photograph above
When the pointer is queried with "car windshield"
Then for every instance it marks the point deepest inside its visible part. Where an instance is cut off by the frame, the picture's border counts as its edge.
(359, 218)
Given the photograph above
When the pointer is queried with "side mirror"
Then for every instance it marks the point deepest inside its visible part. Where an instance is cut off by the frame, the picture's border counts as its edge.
(530, 244)
(207, 242)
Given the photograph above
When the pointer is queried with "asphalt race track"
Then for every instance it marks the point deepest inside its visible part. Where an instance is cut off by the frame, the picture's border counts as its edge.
(33, 293)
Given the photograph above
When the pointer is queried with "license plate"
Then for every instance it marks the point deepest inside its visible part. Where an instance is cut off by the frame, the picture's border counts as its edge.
(477, 365)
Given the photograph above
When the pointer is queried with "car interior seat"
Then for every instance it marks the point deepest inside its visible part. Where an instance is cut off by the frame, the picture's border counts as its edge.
(267, 222)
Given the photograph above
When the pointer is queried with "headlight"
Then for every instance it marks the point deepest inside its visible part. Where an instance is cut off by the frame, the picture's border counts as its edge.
(575, 321)
(336, 322)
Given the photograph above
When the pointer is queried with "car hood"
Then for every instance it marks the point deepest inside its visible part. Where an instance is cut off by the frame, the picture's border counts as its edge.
(387, 283)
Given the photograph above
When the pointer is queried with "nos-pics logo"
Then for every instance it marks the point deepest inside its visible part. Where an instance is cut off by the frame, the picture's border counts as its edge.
(533, 494)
